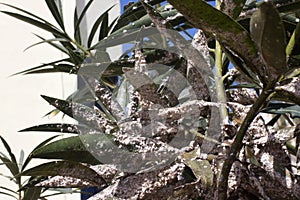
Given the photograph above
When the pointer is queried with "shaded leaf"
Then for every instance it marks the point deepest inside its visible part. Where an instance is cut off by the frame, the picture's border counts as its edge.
(64, 128)
(53, 7)
(41, 66)
(32, 193)
(227, 31)
(104, 28)
(38, 24)
(283, 108)
(268, 32)
(47, 41)
(65, 168)
(132, 13)
(77, 34)
(70, 148)
(28, 159)
(76, 26)
(7, 194)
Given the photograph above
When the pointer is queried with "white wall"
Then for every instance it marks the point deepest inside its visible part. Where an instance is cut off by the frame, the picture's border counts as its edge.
(21, 105)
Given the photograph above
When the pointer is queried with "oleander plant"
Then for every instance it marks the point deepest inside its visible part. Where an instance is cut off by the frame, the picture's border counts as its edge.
(203, 103)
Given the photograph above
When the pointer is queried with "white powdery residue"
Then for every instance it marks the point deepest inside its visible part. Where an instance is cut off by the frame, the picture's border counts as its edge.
(268, 161)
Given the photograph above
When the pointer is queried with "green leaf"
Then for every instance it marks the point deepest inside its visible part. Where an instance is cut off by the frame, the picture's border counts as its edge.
(32, 193)
(96, 26)
(49, 41)
(42, 25)
(268, 32)
(133, 13)
(289, 7)
(104, 28)
(143, 21)
(283, 108)
(76, 26)
(66, 168)
(77, 34)
(201, 168)
(70, 148)
(7, 194)
(11, 163)
(28, 159)
(62, 105)
(63, 128)
(227, 31)
(52, 5)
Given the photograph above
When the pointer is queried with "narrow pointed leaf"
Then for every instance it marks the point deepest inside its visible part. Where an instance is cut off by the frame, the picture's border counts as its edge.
(13, 168)
(7, 194)
(70, 148)
(52, 5)
(293, 110)
(32, 193)
(8, 189)
(77, 33)
(133, 13)
(96, 26)
(227, 31)
(64, 128)
(62, 105)
(66, 168)
(104, 28)
(8, 149)
(268, 32)
(41, 66)
(38, 24)
(48, 41)
(76, 26)
(28, 159)
(289, 7)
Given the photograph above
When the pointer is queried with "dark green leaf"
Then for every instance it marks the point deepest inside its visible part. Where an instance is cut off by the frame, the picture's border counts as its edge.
(32, 193)
(96, 25)
(76, 26)
(62, 105)
(227, 31)
(283, 108)
(64, 128)
(70, 148)
(77, 34)
(11, 163)
(40, 66)
(66, 168)
(7, 194)
(52, 5)
(289, 7)
(38, 24)
(268, 32)
(133, 13)
(104, 28)
(28, 159)
(49, 41)
(13, 168)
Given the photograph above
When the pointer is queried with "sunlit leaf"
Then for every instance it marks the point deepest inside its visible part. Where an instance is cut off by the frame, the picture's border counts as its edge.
(268, 32)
